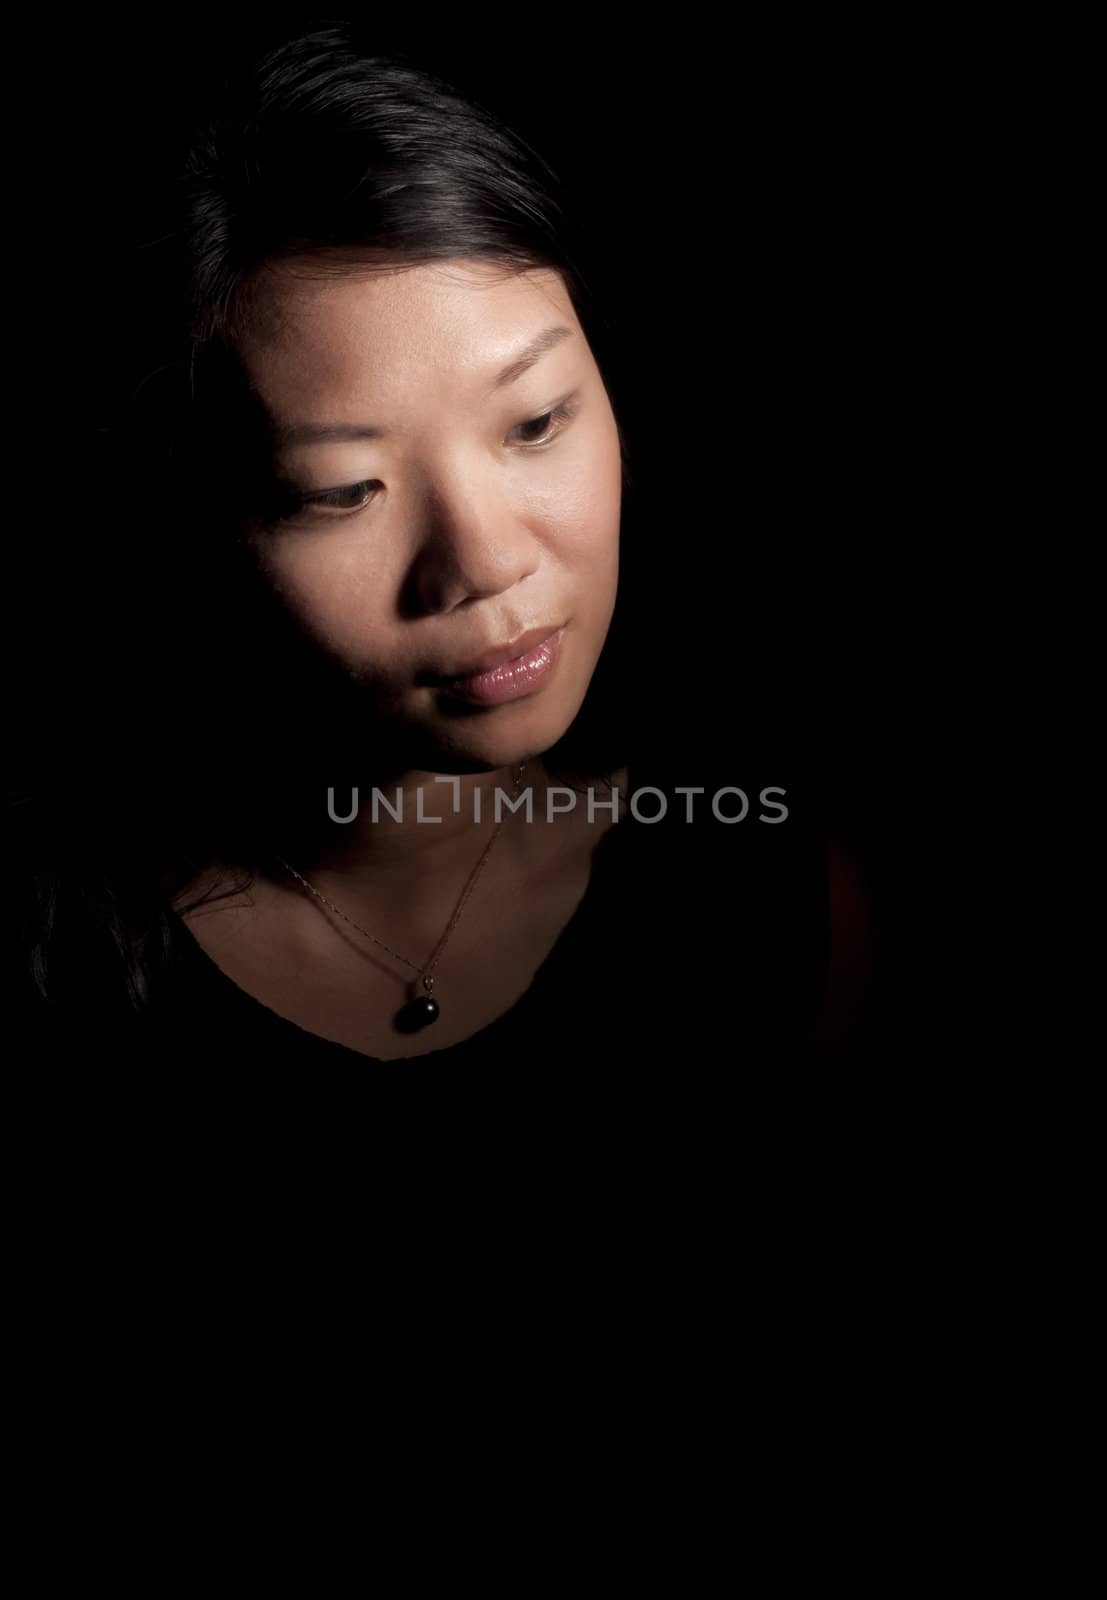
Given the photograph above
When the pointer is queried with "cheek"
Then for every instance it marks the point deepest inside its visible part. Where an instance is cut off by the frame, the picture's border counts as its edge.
(333, 587)
(588, 511)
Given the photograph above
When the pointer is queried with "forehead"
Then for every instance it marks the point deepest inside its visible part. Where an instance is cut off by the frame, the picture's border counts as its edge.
(456, 321)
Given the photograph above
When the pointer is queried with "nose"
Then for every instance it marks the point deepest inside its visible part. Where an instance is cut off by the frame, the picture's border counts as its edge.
(473, 543)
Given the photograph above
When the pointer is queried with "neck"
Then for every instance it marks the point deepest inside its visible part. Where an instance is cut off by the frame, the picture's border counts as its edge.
(419, 826)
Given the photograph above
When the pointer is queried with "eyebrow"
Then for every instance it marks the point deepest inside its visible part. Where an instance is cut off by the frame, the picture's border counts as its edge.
(534, 351)
(343, 432)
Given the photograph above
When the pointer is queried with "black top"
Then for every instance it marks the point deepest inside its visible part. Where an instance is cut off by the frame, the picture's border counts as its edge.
(693, 937)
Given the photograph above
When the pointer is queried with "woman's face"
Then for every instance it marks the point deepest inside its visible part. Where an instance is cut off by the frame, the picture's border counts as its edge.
(456, 422)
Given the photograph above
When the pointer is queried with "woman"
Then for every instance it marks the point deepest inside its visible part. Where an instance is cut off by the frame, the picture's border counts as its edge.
(404, 787)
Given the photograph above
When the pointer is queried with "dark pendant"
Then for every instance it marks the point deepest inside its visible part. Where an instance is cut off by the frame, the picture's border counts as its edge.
(418, 1013)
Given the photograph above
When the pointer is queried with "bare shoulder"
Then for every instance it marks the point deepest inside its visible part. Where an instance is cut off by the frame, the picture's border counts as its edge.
(215, 886)
(849, 970)
(217, 904)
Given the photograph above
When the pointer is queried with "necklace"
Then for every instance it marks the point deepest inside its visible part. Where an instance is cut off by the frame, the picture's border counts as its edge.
(421, 1009)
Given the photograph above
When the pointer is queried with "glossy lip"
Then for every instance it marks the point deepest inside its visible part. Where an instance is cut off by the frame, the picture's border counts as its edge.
(516, 678)
(501, 655)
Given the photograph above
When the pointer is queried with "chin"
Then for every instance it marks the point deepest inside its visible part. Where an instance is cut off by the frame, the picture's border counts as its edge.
(487, 738)
(502, 737)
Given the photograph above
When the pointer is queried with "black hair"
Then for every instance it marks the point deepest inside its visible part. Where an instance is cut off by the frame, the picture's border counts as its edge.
(316, 149)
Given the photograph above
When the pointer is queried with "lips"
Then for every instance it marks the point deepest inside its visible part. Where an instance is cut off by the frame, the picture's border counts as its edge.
(523, 673)
(499, 655)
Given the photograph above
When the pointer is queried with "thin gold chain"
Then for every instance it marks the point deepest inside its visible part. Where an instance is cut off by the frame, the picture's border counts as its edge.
(428, 967)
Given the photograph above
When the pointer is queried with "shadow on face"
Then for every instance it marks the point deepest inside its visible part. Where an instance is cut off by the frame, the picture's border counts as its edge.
(442, 480)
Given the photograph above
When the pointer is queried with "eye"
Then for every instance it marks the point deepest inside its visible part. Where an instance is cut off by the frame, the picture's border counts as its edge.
(350, 498)
(332, 503)
(354, 497)
(549, 425)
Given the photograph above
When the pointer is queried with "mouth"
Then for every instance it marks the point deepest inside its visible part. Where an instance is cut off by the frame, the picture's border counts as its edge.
(505, 672)
(499, 655)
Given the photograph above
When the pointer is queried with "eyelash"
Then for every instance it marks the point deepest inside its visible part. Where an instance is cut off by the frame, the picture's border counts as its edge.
(561, 414)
